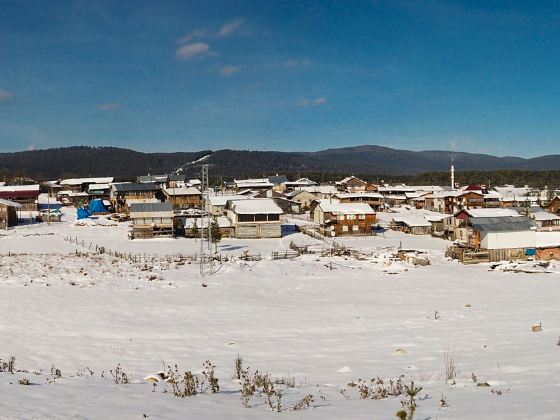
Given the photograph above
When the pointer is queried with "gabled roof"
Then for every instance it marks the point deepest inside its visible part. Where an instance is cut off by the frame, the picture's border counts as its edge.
(221, 200)
(412, 220)
(254, 206)
(151, 178)
(80, 181)
(182, 191)
(151, 208)
(365, 195)
(498, 212)
(345, 208)
(135, 186)
(502, 224)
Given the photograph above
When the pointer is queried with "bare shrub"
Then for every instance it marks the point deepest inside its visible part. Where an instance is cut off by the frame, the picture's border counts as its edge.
(8, 366)
(119, 376)
(450, 361)
(304, 403)
(378, 388)
(238, 367)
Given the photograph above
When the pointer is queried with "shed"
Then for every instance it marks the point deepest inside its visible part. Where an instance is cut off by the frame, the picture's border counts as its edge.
(255, 218)
(8, 213)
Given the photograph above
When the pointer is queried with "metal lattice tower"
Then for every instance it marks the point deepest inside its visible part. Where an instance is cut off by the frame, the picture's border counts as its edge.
(205, 251)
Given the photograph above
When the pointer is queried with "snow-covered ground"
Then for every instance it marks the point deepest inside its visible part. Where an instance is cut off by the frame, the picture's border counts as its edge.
(322, 322)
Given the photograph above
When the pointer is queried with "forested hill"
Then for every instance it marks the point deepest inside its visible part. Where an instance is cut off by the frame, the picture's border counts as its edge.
(125, 163)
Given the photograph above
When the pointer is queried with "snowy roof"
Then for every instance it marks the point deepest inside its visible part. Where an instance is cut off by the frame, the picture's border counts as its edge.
(490, 212)
(9, 203)
(300, 182)
(502, 224)
(395, 197)
(321, 189)
(396, 188)
(345, 208)
(412, 220)
(151, 178)
(350, 178)
(253, 184)
(254, 206)
(277, 179)
(80, 181)
(195, 181)
(221, 200)
(359, 195)
(17, 188)
(96, 187)
(541, 215)
(182, 191)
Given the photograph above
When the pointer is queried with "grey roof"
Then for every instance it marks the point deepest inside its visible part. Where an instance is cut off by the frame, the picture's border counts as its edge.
(151, 207)
(135, 186)
(502, 224)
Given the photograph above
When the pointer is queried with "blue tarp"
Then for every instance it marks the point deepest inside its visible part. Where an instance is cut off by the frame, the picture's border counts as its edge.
(96, 206)
(83, 213)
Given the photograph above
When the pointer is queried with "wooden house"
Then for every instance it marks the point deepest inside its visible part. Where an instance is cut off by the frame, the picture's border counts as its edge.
(151, 220)
(340, 219)
(412, 224)
(544, 219)
(351, 184)
(184, 197)
(189, 223)
(374, 200)
(8, 213)
(125, 193)
(25, 195)
(554, 205)
(82, 184)
(255, 218)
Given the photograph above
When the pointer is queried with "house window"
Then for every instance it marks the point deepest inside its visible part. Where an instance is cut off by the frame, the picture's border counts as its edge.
(245, 217)
(345, 228)
(362, 217)
(351, 217)
(355, 228)
(260, 217)
(273, 217)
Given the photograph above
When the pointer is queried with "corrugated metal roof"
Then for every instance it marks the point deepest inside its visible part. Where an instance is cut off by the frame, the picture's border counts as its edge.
(502, 224)
(151, 207)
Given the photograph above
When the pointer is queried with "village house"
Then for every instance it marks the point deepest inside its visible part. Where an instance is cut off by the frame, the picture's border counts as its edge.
(351, 184)
(216, 204)
(340, 219)
(126, 193)
(25, 195)
(101, 191)
(151, 220)
(72, 198)
(253, 184)
(554, 205)
(374, 200)
(299, 183)
(497, 238)
(412, 224)
(183, 197)
(544, 219)
(255, 218)
(82, 184)
(8, 213)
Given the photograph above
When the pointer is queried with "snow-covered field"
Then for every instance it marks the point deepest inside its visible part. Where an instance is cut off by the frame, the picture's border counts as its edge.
(320, 322)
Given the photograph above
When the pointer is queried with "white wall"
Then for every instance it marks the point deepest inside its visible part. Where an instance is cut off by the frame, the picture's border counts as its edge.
(502, 240)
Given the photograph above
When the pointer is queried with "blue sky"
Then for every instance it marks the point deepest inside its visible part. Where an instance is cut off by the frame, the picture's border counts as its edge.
(477, 76)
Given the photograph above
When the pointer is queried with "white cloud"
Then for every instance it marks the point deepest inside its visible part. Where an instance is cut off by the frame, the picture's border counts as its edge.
(229, 70)
(5, 95)
(231, 28)
(189, 51)
(31, 147)
(109, 106)
(313, 101)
